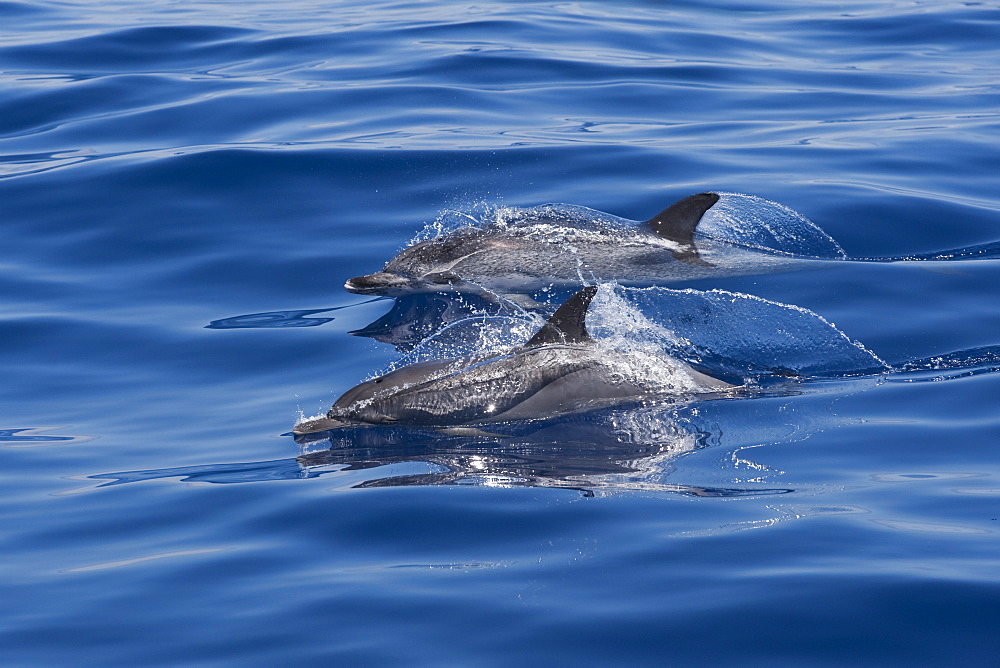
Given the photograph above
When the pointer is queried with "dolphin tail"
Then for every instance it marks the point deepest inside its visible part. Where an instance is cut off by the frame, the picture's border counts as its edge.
(677, 223)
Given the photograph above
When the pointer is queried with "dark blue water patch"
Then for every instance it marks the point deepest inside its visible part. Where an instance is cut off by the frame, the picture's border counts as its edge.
(926, 34)
(813, 629)
(26, 15)
(532, 608)
(153, 49)
(130, 103)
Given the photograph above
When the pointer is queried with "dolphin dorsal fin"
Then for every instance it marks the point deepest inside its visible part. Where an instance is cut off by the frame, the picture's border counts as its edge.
(568, 323)
(678, 221)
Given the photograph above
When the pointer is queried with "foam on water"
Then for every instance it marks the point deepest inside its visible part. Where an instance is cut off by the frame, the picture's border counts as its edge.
(759, 223)
(474, 336)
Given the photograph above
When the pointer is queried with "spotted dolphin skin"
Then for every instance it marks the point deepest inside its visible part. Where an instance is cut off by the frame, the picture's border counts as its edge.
(560, 370)
(547, 246)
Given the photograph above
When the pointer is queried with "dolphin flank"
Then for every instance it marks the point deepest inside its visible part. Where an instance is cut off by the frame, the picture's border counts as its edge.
(560, 370)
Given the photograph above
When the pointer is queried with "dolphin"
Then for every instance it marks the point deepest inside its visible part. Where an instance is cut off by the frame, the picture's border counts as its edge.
(550, 246)
(560, 370)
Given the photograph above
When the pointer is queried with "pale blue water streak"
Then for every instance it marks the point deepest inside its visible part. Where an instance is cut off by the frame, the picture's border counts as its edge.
(171, 166)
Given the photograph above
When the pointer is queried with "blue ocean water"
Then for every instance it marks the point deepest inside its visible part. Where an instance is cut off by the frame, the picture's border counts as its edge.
(185, 187)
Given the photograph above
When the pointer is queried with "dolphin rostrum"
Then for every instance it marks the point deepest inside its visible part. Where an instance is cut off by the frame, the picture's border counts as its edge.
(560, 370)
(696, 237)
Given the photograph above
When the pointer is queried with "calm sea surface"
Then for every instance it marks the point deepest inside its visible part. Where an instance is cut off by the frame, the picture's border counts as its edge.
(166, 166)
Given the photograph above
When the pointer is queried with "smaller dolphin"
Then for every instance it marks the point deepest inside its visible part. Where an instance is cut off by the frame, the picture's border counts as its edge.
(559, 370)
(559, 245)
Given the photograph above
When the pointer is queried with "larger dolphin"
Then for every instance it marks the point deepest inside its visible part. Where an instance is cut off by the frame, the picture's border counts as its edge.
(559, 370)
(703, 235)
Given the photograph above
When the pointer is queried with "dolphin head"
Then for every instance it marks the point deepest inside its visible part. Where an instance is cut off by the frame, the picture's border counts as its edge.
(318, 425)
(396, 284)
(387, 283)
(424, 267)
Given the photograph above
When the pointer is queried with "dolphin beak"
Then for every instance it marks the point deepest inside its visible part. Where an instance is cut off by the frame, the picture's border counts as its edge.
(379, 283)
(320, 424)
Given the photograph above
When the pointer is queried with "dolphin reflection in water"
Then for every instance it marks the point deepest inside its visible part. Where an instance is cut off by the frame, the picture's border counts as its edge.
(637, 448)
(560, 370)
(616, 449)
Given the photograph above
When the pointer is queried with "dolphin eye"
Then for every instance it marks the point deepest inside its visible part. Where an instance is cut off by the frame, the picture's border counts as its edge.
(377, 380)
